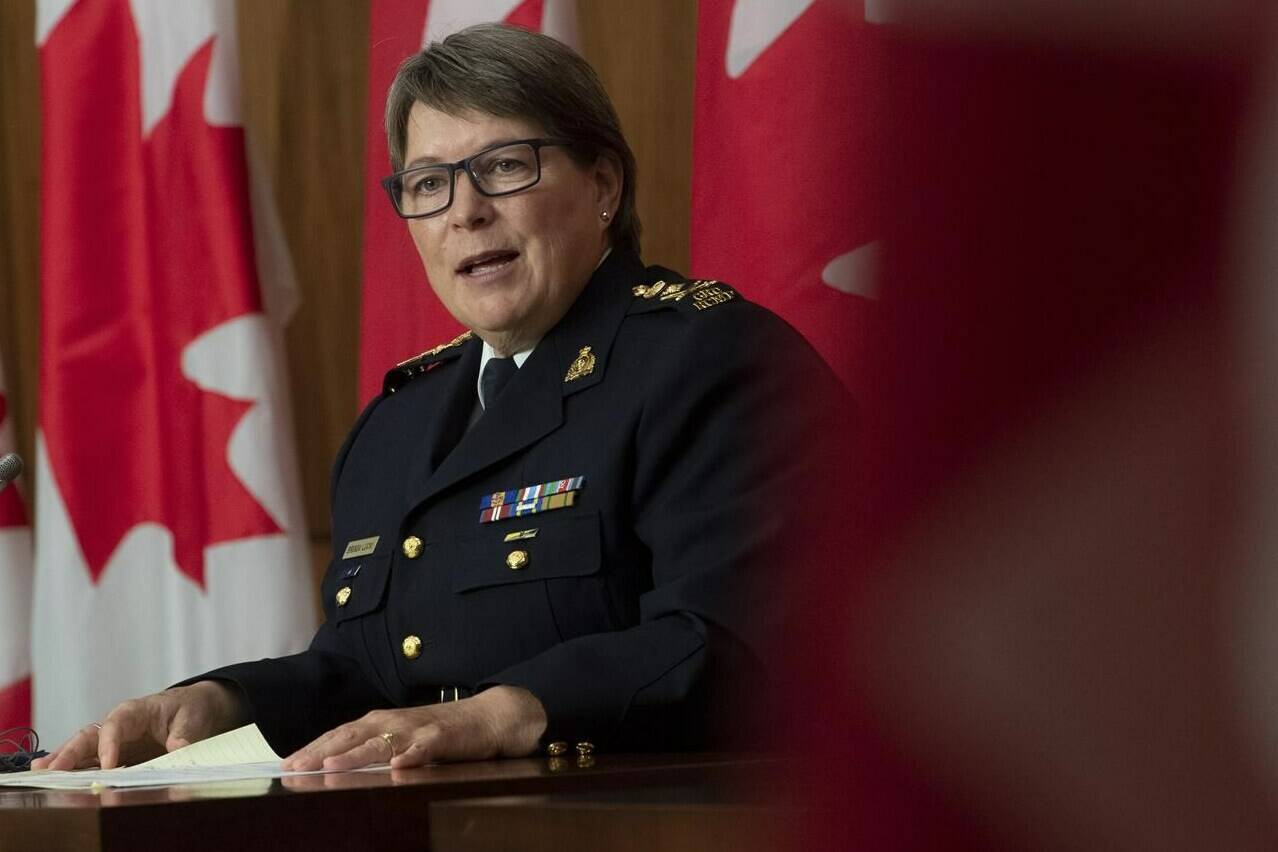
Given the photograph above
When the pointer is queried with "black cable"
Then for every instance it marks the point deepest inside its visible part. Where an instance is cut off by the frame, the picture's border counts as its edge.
(25, 743)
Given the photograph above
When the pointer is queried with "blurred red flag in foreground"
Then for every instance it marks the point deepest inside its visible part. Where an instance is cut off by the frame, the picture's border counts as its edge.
(1029, 633)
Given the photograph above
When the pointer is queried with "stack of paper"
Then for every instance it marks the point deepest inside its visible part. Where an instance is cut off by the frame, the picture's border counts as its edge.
(234, 756)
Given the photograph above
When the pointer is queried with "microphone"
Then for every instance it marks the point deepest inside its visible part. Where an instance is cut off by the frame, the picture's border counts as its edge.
(10, 469)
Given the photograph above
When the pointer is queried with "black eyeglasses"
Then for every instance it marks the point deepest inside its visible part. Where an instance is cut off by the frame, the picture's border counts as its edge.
(503, 169)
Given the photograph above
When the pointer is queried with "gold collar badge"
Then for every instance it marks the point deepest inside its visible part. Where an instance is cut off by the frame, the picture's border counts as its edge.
(583, 365)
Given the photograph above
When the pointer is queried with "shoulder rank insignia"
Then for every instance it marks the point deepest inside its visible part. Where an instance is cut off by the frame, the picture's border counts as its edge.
(418, 364)
(699, 295)
(456, 341)
(583, 365)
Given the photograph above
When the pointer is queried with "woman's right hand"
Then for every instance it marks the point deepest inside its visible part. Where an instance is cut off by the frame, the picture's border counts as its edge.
(142, 728)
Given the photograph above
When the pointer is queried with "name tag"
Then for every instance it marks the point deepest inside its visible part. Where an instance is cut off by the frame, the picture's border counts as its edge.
(360, 547)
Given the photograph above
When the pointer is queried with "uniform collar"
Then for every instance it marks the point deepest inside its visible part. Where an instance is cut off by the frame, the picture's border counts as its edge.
(584, 337)
(572, 357)
(488, 353)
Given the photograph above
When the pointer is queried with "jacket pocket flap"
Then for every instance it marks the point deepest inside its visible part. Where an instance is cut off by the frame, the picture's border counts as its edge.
(560, 548)
(356, 587)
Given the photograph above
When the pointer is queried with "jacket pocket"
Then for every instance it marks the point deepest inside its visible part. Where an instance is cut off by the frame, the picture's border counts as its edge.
(356, 587)
(567, 547)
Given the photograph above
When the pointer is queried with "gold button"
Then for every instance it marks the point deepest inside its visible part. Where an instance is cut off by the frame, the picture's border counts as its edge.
(412, 647)
(517, 559)
(343, 595)
(557, 748)
(585, 761)
(585, 749)
(412, 547)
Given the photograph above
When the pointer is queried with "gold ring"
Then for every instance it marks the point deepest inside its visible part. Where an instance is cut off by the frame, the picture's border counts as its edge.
(390, 741)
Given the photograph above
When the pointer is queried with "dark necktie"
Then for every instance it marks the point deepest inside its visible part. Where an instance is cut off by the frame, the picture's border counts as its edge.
(497, 373)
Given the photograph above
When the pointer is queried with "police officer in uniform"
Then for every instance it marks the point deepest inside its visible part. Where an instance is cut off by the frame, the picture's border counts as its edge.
(565, 530)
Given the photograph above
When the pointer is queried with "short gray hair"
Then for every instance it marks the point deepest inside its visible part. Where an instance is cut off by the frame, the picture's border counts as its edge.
(504, 71)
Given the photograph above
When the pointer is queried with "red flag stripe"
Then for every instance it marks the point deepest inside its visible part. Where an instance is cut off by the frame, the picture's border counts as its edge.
(15, 704)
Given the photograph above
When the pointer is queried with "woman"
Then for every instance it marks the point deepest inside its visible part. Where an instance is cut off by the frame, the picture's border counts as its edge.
(547, 532)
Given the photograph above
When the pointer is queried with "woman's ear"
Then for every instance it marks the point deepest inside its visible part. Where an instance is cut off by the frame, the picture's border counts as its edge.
(608, 183)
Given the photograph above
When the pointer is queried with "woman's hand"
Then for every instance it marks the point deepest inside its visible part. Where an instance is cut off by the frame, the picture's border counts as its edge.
(142, 728)
(503, 721)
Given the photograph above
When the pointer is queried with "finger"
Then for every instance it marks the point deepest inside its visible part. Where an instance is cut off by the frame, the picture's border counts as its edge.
(126, 724)
(337, 741)
(68, 756)
(112, 734)
(372, 751)
(341, 739)
(417, 754)
(438, 742)
(308, 757)
(79, 751)
(430, 744)
(184, 728)
(44, 762)
(299, 759)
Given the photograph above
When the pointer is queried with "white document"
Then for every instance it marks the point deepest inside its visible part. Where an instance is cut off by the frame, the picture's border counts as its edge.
(243, 745)
(237, 755)
(141, 776)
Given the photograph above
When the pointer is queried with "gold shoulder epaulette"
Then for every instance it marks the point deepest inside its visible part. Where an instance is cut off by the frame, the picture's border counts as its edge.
(404, 371)
(697, 295)
(435, 350)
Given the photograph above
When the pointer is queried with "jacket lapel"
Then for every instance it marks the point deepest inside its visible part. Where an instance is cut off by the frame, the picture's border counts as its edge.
(444, 416)
(531, 406)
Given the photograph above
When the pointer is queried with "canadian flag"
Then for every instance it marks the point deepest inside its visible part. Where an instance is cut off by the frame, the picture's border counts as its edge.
(784, 200)
(170, 536)
(401, 316)
(15, 602)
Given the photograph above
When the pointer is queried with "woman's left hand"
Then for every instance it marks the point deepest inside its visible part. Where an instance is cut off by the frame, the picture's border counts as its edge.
(504, 721)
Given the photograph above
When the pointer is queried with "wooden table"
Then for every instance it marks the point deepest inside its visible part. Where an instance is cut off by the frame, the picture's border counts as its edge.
(389, 811)
(648, 819)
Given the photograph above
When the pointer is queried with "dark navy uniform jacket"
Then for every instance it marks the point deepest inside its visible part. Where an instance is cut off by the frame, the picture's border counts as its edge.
(681, 406)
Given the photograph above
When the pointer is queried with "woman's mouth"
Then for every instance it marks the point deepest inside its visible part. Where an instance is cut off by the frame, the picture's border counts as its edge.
(486, 263)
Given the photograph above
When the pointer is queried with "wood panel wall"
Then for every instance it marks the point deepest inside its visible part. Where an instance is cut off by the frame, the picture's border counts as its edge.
(19, 216)
(304, 78)
(303, 68)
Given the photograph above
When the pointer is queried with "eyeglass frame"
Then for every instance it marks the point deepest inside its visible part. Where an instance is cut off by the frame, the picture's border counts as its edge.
(465, 165)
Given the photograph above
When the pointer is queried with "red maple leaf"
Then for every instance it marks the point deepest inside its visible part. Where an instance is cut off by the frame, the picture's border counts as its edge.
(146, 244)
